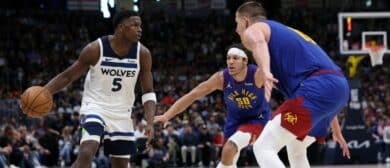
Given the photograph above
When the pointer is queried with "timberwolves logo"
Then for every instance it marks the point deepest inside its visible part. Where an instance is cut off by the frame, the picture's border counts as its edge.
(290, 118)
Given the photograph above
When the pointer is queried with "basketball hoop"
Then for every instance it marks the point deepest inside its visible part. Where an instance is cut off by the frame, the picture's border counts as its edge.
(376, 53)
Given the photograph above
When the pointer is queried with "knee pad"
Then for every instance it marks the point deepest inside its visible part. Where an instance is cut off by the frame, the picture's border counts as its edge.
(240, 139)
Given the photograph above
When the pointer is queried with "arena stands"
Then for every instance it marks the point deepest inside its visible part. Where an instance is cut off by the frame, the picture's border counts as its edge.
(35, 45)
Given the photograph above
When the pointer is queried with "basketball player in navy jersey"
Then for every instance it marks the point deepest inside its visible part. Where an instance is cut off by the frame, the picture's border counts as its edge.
(247, 110)
(114, 63)
(314, 86)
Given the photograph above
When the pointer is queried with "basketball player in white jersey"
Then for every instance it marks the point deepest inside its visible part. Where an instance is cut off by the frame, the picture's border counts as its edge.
(114, 63)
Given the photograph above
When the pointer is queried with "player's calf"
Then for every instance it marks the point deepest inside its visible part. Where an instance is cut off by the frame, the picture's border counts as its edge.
(231, 150)
(117, 162)
(86, 154)
(228, 152)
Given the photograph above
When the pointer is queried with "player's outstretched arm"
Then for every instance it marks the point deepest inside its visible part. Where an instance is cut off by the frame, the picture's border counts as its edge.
(339, 138)
(213, 83)
(88, 56)
(255, 39)
(148, 95)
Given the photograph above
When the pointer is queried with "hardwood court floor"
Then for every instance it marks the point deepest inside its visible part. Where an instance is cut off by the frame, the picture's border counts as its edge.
(334, 166)
(355, 166)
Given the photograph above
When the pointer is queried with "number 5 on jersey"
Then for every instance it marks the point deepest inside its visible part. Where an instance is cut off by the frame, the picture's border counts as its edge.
(116, 84)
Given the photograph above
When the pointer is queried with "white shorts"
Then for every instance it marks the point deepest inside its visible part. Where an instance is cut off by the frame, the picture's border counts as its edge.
(117, 133)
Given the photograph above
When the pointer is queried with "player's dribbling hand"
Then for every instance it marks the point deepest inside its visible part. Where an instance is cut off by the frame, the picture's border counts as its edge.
(269, 81)
(161, 118)
(338, 137)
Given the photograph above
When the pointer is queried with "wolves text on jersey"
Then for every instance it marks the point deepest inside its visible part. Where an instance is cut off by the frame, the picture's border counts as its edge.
(118, 72)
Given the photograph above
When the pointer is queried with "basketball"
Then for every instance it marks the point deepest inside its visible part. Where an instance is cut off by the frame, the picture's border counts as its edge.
(36, 101)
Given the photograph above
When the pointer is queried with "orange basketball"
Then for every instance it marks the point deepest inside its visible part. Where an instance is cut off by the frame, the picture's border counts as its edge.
(36, 101)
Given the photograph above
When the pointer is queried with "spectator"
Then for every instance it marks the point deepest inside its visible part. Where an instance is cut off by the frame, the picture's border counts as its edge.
(168, 99)
(205, 146)
(18, 151)
(219, 141)
(141, 139)
(49, 141)
(386, 139)
(158, 154)
(377, 133)
(212, 126)
(172, 141)
(66, 146)
(189, 142)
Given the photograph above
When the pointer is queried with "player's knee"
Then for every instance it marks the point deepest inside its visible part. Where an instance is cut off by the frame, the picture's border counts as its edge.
(88, 150)
(228, 152)
(86, 153)
(262, 150)
(258, 145)
(229, 148)
(295, 151)
(119, 162)
(240, 139)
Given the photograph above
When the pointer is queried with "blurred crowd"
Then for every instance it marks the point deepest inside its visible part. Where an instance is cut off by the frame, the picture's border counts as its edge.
(35, 46)
(376, 108)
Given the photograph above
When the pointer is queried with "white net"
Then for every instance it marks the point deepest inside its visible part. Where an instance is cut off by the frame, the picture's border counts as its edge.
(376, 54)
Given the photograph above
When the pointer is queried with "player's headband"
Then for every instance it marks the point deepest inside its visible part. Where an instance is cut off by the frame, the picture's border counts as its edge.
(237, 51)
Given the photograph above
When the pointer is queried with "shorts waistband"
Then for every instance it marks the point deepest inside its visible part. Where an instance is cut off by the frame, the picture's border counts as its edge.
(320, 72)
(326, 71)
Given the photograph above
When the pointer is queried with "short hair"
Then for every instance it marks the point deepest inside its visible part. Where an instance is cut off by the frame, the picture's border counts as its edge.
(121, 16)
(252, 9)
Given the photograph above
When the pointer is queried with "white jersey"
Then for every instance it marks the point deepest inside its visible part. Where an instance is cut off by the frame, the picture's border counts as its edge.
(109, 85)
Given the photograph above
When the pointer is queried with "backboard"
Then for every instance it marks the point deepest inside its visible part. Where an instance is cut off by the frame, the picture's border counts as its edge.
(359, 31)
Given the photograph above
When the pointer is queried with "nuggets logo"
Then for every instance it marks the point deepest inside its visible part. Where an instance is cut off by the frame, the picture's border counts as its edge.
(243, 98)
(290, 118)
